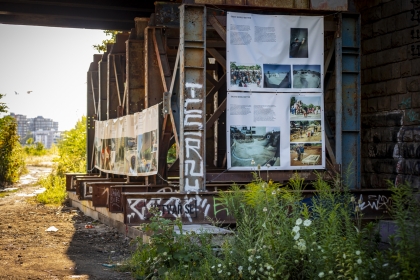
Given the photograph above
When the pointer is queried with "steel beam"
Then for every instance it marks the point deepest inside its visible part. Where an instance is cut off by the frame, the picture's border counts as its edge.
(348, 98)
(192, 152)
(136, 68)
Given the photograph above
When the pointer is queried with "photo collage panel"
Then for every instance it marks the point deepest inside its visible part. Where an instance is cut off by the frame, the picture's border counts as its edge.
(305, 130)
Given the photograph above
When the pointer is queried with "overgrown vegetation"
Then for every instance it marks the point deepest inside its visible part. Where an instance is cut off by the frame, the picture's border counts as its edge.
(102, 47)
(281, 236)
(34, 149)
(12, 163)
(72, 158)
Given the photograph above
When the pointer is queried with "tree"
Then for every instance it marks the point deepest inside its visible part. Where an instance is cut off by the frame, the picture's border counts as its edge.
(72, 149)
(12, 163)
(102, 47)
(3, 107)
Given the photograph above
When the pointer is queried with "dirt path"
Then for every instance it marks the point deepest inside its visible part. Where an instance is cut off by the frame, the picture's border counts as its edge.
(28, 251)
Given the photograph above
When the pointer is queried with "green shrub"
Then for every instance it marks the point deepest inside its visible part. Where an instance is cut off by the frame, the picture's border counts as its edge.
(55, 190)
(280, 235)
(12, 160)
(72, 158)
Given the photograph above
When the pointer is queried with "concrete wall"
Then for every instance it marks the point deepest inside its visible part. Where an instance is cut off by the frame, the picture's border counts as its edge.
(390, 94)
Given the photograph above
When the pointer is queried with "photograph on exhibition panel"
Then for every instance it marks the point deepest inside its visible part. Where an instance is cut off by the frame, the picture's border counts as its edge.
(305, 131)
(245, 76)
(298, 43)
(130, 145)
(146, 152)
(254, 145)
(302, 154)
(306, 76)
(277, 76)
(305, 107)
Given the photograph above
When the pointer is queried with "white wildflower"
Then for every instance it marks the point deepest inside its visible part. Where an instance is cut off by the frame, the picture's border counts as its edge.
(356, 278)
(265, 209)
(321, 274)
(228, 273)
(250, 259)
(261, 269)
(165, 253)
(296, 261)
(319, 248)
(249, 268)
(296, 237)
(357, 252)
(359, 261)
(273, 193)
(240, 268)
(330, 272)
(352, 199)
(296, 229)
(307, 223)
(253, 272)
(258, 257)
(344, 256)
(385, 264)
(219, 265)
(220, 271)
(298, 221)
(213, 267)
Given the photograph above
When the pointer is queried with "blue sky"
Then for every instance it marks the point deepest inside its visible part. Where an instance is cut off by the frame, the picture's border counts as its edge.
(50, 62)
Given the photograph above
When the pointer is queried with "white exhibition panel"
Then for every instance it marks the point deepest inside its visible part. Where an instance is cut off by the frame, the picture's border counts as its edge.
(275, 106)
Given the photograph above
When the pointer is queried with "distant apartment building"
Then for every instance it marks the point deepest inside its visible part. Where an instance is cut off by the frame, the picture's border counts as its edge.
(41, 129)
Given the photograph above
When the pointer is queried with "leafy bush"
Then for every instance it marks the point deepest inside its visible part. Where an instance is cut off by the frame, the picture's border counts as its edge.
(280, 235)
(35, 149)
(72, 158)
(12, 160)
(171, 255)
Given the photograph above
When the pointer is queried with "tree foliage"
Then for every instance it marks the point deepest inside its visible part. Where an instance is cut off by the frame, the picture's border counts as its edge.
(102, 47)
(72, 149)
(72, 158)
(12, 162)
(3, 107)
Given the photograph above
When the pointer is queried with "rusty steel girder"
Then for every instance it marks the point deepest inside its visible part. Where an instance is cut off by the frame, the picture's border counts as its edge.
(191, 208)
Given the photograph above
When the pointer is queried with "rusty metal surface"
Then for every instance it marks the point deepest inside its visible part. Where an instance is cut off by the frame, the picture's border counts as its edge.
(191, 208)
(192, 98)
(329, 5)
(116, 192)
(135, 76)
(85, 191)
(70, 179)
(167, 14)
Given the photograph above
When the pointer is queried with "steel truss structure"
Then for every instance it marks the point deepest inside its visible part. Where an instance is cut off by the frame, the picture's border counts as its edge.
(177, 57)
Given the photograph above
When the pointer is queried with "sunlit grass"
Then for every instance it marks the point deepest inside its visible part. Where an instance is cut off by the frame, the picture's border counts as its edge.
(7, 193)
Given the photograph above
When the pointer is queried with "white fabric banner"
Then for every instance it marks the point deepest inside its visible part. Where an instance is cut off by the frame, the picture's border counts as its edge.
(274, 53)
(128, 145)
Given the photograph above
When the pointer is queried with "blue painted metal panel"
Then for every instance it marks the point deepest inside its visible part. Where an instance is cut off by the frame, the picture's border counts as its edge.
(351, 99)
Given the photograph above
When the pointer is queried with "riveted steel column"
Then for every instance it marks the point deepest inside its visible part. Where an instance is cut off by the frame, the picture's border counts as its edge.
(192, 50)
(338, 95)
(351, 82)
